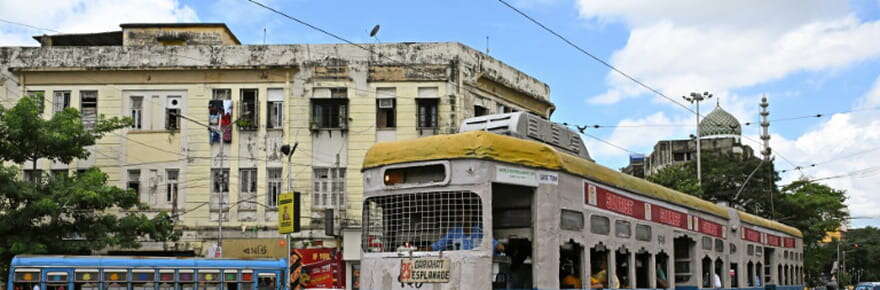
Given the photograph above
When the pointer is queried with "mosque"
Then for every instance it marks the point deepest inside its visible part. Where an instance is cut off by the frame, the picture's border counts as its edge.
(720, 132)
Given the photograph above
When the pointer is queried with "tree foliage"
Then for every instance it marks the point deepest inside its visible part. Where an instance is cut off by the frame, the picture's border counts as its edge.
(862, 251)
(813, 208)
(64, 214)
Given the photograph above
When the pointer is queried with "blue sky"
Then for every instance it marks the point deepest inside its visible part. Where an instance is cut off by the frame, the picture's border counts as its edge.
(806, 56)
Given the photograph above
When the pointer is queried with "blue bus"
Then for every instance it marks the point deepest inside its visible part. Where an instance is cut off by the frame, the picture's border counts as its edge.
(144, 273)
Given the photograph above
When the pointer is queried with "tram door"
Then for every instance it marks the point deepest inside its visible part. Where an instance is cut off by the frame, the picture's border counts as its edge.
(512, 228)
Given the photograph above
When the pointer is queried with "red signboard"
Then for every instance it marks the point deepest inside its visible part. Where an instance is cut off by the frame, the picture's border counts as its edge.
(667, 216)
(773, 240)
(752, 235)
(711, 228)
(619, 204)
(317, 268)
(789, 242)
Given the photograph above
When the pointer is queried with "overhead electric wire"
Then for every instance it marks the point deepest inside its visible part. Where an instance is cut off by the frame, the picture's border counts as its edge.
(28, 25)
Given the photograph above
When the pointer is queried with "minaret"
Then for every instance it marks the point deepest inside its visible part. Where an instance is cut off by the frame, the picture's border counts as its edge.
(765, 124)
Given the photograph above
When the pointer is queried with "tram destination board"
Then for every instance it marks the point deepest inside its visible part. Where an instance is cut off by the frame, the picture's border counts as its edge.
(424, 270)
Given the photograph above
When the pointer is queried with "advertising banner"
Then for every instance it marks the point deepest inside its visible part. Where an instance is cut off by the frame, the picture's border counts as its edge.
(317, 268)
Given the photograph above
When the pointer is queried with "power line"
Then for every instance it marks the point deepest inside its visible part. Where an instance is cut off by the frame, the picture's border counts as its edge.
(28, 25)
(832, 160)
(583, 129)
(603, 62)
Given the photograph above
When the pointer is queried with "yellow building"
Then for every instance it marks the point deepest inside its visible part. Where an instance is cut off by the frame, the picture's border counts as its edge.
(333, 100)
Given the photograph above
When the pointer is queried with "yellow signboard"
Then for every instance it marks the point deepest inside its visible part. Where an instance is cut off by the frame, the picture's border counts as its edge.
(288, 212)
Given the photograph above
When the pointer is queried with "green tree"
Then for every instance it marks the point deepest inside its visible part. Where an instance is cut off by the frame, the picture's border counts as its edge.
(862, 250)
(64, 214)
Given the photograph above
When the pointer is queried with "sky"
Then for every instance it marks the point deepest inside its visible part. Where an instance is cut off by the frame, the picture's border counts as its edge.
(807, 57)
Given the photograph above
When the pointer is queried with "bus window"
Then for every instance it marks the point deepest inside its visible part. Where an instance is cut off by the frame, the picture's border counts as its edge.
(662, 264)
(56, 281)
(683, 259)
(209, 279)
(86, 280)
(186, 279)
(115, 280)
(143, 279)
(622, 269)
(599, 268)
(230, 279)
(166, 279)
(570, 265)
(266, 281)
(26, 279)
(643, 262)
(247, 280)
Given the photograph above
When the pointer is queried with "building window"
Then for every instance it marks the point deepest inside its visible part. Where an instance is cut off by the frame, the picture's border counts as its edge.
(136, 107)
(171, 187)
(172, 113)
(221, 94)
(60, 101)
(220, 114)
(329, 191)
(249, 107)
(134, 181)
(220, 189)
(385, 113)
(329, 113)
(39, 97)
(480, 111)
(426, 110)
(248, 188)
(32, 176)
(89, 108)
(275, 106)
(58, 173)
(274, 185)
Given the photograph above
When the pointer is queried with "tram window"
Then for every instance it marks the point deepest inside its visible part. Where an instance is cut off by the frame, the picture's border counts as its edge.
(427, 221)
(719, 277)
(266, 282)
(643, 233)
(734, 278)
(622, 229)
(570, 265)
(719, 245)
(230, 278)
(86, 280)
(26, 279)
(247, 280)
(143, 279)
(599, 268)
(642, 265)
(115, 280)
(750, 250)
(662, 262)
(622, 263)
(600, 225)
(572, 220)
(186, 278)
(56, 280)
(166, 279)
(209, 279)
(415, 174)
(683, 259)
(707, 243)
(707, 273)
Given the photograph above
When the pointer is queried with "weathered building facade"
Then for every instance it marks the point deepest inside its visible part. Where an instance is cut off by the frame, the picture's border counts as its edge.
(333, 100)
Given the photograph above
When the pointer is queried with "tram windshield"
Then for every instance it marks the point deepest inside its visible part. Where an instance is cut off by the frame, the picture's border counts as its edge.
(427, 221)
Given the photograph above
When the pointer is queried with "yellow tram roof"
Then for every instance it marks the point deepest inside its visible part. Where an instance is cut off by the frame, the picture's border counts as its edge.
(490, 146)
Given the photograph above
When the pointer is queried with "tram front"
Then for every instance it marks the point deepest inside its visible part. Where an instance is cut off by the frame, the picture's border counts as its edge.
(424, 223)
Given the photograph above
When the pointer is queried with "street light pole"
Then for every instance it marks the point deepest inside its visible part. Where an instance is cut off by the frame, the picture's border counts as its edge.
(696, 98)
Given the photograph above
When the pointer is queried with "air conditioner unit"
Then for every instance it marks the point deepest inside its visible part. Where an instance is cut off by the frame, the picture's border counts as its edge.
(386, 103)
(173, 103)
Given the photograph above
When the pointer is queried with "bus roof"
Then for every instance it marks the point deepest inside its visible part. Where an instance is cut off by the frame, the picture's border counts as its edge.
(137, 262)
(490, 146)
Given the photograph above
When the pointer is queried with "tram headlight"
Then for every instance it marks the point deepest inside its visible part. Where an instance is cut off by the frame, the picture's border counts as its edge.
(393, 177)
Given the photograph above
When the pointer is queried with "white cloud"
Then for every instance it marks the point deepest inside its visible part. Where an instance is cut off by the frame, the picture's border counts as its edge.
(80, 16)
(832, 144)
(683, 45)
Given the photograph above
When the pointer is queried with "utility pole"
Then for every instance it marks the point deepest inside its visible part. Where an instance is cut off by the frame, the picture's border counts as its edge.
(696, 98)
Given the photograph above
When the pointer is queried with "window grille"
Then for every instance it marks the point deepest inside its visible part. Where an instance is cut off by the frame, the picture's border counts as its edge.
(427, 113)
(60, 101)
(136, 107)
(425, 221)
(171, 185)
(134, 181)
(249, 109)
(219, 186)
(89, 108)
(274, 187)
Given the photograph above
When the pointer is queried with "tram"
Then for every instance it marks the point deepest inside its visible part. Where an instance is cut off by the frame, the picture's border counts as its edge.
(144, 273)
(515, 201)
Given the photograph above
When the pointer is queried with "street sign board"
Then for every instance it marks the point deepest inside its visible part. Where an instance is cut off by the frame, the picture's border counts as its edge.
(288, 212)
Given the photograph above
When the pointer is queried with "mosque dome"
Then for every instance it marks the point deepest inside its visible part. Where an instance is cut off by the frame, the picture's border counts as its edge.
(720, 123)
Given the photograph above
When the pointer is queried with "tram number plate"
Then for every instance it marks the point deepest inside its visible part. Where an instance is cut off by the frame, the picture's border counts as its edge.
(424, 270)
